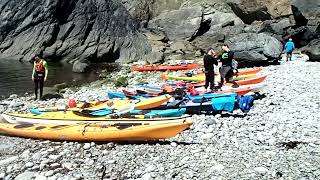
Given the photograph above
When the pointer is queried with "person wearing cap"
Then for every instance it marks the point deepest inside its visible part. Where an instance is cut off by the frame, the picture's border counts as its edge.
(289, 47)
(226, 69)
(209, 60)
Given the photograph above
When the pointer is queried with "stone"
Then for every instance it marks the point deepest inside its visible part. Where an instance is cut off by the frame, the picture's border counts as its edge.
(147, 176)
(49, 173)
(217, 167)
(255, 47)
(2, 175)
(79, 67)
(178, 24)
(259, 10)
(29, 164)
(8, 161)
(261, 170)
(40, 177)
(25, 176)
(86, 146)
(207, 136)
(312, 50)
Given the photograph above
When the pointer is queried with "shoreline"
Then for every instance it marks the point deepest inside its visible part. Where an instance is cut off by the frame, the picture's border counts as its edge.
(273, 140)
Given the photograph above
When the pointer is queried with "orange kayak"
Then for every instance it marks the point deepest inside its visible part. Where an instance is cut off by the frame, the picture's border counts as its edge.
(165, 67)
(94, 132)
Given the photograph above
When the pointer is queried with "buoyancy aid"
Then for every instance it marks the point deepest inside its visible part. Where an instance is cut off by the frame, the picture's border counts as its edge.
(39, 66)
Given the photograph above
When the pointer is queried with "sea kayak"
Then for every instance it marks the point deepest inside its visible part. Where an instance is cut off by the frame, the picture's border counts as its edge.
(94, 132)
(165, 67)
(200, 77)
(71, 117)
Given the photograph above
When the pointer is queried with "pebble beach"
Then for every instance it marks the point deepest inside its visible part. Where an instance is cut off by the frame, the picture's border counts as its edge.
(278, 139)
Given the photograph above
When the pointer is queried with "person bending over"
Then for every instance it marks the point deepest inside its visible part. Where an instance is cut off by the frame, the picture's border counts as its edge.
(39, 75)
(209, 60)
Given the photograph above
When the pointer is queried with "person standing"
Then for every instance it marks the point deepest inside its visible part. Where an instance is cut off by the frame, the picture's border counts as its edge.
(39, 75)
(209, 60)
(289, 47)
(226, 70)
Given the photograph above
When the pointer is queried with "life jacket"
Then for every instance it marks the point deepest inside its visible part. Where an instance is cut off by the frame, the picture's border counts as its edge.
(39, 68)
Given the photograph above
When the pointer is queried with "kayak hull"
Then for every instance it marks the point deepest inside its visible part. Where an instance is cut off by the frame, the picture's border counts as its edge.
(94, 132)
(165, 67)
(70, 118)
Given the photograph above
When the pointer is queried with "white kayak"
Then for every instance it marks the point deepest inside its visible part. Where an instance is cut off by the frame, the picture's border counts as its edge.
(21, 118)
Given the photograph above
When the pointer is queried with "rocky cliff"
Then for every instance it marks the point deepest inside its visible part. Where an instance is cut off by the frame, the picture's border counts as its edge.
(82, 32)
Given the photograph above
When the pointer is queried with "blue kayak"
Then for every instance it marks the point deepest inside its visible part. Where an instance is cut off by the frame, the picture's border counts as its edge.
(114, 95)
(209, 96)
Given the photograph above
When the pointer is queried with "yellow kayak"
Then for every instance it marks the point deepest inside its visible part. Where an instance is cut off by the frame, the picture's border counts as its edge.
(94, 132)
(116, 104)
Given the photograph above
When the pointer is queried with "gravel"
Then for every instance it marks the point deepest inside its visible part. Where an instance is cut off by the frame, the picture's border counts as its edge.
(278, 138)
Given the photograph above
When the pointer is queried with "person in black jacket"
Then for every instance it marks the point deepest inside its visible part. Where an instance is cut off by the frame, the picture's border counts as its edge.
(209, 60)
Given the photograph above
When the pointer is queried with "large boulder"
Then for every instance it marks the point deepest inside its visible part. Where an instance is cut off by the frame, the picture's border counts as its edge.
(307, 13)
(181, 24)
(313, 50)
(255, 47)
(71, 30)
(260, 10)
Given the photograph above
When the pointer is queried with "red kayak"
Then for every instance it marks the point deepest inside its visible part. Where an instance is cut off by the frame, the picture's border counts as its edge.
(246, 81)
(165, 67)
(240, 91)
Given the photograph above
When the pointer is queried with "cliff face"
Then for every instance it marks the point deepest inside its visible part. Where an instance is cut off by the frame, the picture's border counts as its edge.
(71, 30)
(121, 30)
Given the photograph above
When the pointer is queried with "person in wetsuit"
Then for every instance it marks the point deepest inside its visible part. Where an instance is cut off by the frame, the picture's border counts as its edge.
(226, 70)
(209, 60)
(39, 75)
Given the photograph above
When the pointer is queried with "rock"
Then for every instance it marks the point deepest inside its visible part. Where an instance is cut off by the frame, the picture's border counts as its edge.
(217, 167)
(29, 164)
(40, 177)
(207, 136)
(25, 154)
(255, 47)
(121, 81)
(313, 50)
(86, 146)
(60, 86)
(54, 157)
(259, 10)
(49, 173)
(155, 57)
(147, 176)
(150, 168)
(261, 170)
(85, 31)
(178, 24)
(307, 13)
(25, 176)
(9, 160)
(173, 144)
(79, 67)
(111, 162)
(68, 166)
(2, 175)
